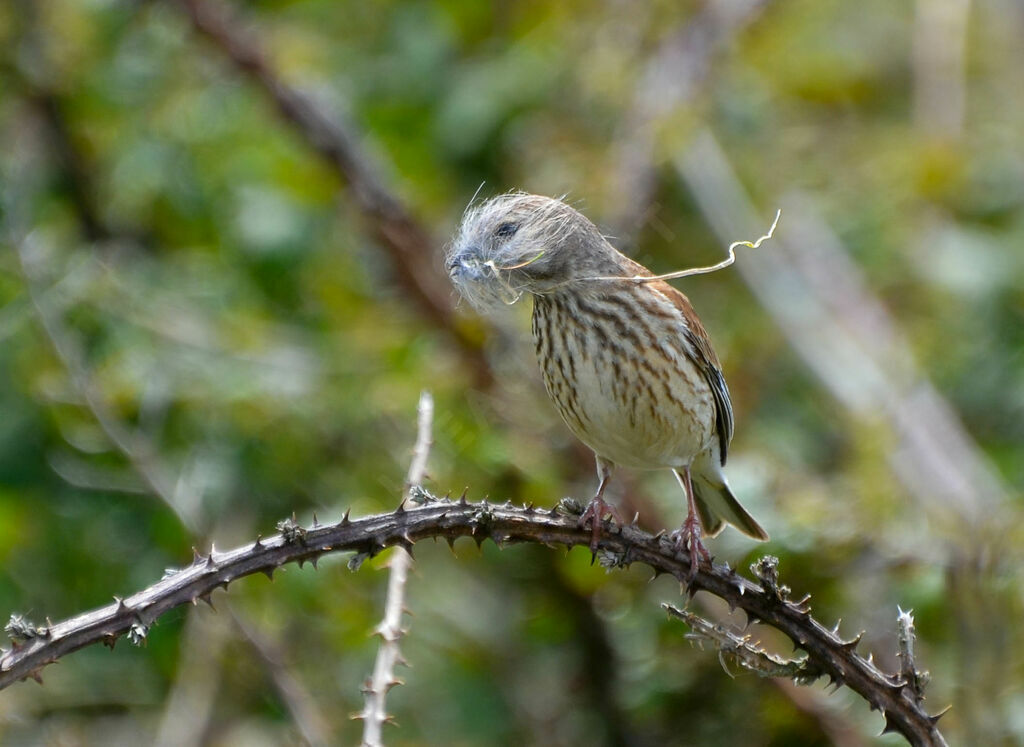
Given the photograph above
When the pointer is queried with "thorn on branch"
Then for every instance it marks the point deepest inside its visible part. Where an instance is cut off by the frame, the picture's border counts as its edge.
(890, 725)
(851, 645)
(804, 606)
(406, 542)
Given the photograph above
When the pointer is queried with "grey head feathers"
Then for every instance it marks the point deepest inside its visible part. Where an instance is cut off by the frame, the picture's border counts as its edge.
(520, 243)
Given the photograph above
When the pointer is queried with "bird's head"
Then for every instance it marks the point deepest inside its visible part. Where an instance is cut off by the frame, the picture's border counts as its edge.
(521, 243)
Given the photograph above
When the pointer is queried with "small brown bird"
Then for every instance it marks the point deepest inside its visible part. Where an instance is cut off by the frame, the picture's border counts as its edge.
(626, 361)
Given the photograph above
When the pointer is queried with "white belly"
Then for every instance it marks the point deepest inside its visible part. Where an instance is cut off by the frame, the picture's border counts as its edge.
(648, 425)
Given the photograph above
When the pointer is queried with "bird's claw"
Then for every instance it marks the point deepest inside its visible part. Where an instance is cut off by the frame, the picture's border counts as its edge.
(688, 537)
(593, 515)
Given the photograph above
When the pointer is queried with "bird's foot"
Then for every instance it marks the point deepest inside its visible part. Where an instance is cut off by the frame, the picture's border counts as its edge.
(593, 515)
(688, 537)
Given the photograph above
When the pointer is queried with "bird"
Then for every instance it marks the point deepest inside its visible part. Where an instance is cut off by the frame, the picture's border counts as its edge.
(624, 358)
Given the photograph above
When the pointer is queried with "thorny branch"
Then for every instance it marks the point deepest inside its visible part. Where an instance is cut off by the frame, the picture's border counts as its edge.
(768, 602)
(390, 629)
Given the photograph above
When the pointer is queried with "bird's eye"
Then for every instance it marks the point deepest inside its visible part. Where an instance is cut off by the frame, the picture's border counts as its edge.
(505, 230)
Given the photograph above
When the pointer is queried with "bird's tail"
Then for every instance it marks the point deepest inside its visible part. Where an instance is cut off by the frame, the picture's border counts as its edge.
(717, 506)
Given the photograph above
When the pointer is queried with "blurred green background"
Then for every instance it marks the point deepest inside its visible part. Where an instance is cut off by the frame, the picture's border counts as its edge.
(200, 332)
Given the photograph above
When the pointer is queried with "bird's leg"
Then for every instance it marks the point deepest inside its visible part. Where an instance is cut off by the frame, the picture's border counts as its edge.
(597, 508)
(688, 535)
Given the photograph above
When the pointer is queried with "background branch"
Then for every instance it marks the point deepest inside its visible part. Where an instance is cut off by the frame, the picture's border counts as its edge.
(294, 694)
(768, 602)
(413, 252)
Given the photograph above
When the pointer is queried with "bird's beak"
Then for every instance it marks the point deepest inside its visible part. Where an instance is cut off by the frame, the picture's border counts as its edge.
(466, 265)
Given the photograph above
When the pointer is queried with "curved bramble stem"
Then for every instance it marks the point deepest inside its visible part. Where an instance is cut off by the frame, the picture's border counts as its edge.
(766, 600)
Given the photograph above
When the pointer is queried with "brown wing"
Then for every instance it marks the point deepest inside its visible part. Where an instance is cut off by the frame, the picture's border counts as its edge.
(707, 362)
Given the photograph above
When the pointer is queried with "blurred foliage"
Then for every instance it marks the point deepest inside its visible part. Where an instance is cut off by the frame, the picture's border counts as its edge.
(223, 302)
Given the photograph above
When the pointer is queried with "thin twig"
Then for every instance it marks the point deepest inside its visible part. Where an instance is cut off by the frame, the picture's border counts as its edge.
(374, 713)
(829, 655)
